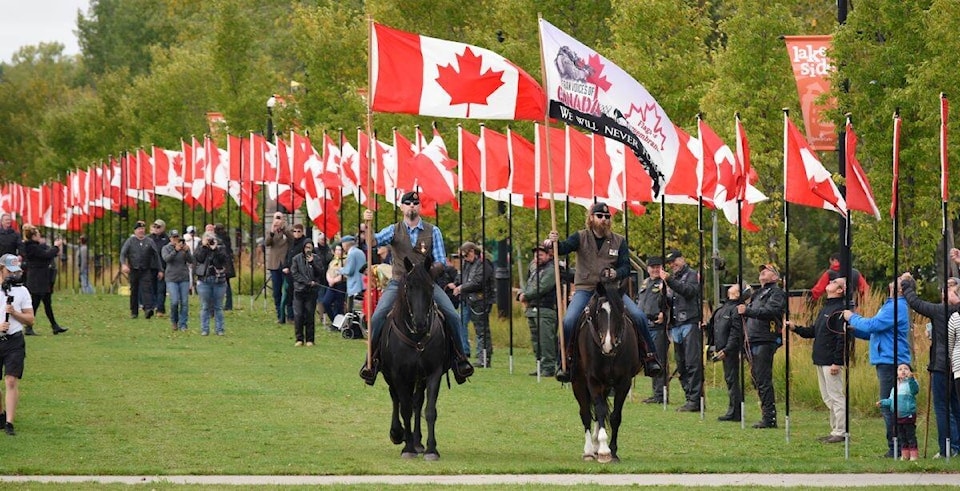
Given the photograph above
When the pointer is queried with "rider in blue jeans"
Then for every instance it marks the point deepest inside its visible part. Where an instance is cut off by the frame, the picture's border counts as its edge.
(601, 256)
(415, 240)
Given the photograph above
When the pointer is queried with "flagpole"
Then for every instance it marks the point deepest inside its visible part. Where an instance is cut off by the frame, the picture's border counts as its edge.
(786, 279)
(553, 212)
(371, 237)
(946, 247)
(896, 294)
(846, 262)
(700, 267)
(663, 255)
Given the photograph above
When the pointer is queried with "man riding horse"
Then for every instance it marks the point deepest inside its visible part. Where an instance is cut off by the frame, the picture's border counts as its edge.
(601, 256)
(414, 239)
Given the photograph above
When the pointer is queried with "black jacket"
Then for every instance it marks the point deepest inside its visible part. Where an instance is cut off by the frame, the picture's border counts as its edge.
(827, 333)
(307, 275)
(214, 261)
(296, 247)
(477, 287)
(765, 315)
(9, 241)
(684, 296)
(939, 358)
(652, 300)
(725, 329)
(38, 266)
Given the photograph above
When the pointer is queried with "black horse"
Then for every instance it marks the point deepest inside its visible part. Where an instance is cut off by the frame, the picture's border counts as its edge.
(608, 360)
(413, 358)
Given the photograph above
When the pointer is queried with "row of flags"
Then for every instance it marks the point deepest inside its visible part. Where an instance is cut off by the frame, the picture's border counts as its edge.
(632, 153)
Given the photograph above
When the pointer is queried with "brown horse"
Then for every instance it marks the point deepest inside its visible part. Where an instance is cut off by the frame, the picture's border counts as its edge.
(608, 359)
(413, 358)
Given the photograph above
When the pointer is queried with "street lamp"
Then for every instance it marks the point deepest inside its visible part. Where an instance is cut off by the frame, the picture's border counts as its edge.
(272, 101)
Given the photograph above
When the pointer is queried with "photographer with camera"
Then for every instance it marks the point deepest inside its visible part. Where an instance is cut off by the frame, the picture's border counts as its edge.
(178, 258)
(308, 273)
(725, 337)
(211, 272)
(18, 313)
(40, 267)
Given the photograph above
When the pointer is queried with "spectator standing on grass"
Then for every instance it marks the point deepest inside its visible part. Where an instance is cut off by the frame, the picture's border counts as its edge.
(9, 238)
(352, 269)
(211, 271)
(336, 285)
(652, 300)
(13, 351)
(477, 291)
(278, 242)
(906, 396)
(725, 333)
(158, 234)
(829, 345)
(764, 333)
(308, 271)
(294, 247)
(953, 344)
(223, 238)
(83, 266)
(178, 258)
(39, 267)
(683, 295)
(882, 334)
(939, 365)
(540, 299)
(140, 261)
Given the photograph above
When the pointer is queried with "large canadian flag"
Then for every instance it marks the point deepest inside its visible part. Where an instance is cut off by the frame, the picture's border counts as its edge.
(417, 74)
(806, 181)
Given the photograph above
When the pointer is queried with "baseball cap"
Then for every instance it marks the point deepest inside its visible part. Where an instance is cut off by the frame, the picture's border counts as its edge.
(348, 238)
(174, 233)
(673, 255)
(654, 261)
(410, 196)
(771, 267)
(191, 229)
(599, 208)
(139, 224)
(160, 223)
(11, 262)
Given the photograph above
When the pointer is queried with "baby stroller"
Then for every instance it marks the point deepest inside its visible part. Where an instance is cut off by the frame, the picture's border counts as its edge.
(353, 324)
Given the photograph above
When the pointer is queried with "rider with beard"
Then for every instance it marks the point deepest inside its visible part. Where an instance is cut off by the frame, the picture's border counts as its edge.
(415, 240)
(601, 256)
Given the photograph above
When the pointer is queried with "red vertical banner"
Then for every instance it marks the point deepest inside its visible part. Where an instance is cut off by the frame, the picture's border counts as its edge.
(811, 69)
(944, 108)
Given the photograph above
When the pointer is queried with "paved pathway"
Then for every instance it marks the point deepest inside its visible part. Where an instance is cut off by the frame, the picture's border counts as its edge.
(741, 480)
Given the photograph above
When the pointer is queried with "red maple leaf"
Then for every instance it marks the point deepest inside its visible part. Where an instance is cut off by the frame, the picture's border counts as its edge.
(596, 76)
(468, 85)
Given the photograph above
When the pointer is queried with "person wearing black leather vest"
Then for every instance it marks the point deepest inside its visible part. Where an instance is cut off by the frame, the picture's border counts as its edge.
(725, 337)
(477, 290)
(683, 294)
(652, 300)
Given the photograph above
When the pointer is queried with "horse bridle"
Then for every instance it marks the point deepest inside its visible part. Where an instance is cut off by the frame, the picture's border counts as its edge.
(409, 328)
(588, 322)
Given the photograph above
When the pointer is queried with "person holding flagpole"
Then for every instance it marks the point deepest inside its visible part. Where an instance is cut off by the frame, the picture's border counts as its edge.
(602, 255)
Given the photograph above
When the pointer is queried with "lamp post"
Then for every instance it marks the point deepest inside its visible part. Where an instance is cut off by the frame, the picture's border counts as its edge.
(272, 101)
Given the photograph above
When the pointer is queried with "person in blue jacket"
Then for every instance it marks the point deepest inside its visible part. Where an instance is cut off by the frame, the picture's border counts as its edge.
(879, 329)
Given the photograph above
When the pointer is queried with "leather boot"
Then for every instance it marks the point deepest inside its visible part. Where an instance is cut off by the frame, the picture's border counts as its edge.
(369, 374)
(651, 367)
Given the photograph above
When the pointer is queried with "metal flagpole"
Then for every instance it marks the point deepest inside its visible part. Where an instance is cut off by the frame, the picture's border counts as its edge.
(946, 252)
(786, 278)
(847, 266)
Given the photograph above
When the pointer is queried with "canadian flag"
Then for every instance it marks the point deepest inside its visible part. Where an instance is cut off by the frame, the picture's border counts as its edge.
(859, 193)
(806, 181)
(745, 178)
(417, 74)
(434, 171)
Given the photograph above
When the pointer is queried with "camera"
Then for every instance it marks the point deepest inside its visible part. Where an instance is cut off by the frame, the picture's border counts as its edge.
(10, 282)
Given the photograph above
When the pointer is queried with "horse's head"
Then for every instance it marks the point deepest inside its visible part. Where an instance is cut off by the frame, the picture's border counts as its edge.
(608, 314)
(416, 294)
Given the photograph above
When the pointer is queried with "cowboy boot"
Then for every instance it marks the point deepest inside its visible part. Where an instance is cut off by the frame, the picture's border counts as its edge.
(651, 367)
(462, 369)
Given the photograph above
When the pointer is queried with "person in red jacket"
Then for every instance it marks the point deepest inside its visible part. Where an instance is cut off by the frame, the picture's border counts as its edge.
(833, 272)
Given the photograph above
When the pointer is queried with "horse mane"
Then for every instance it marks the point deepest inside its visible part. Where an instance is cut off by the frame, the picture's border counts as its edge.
(611, 292)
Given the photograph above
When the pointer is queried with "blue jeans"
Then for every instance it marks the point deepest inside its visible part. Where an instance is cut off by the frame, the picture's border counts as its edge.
(389, 296)
(179, 302)
(276, 280)
(938, 387)
(579, 302)
(85, 282)
(887, 377)
(160, 295)
(211, 305)
(464, 333)
(228, 296)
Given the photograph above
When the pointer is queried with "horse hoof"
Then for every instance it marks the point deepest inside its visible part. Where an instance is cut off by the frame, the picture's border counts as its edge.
(419, 448)
(396, 437)
(589, 457)
(431, 457)
(409, 455)
(615, 460)
(604, 458)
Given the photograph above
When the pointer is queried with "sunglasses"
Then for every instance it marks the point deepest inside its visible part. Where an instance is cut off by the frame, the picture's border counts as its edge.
(602, 216)
(411, 202)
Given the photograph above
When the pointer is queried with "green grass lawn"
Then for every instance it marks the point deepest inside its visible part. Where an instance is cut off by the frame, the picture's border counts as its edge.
(129, 397)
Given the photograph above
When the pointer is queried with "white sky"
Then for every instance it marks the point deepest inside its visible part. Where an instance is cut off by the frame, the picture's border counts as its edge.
(29, 22)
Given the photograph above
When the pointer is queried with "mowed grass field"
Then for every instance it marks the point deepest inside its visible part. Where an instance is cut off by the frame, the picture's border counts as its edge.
(130, 397)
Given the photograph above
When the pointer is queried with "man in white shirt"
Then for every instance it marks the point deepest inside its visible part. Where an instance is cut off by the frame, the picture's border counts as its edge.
(18, 313)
